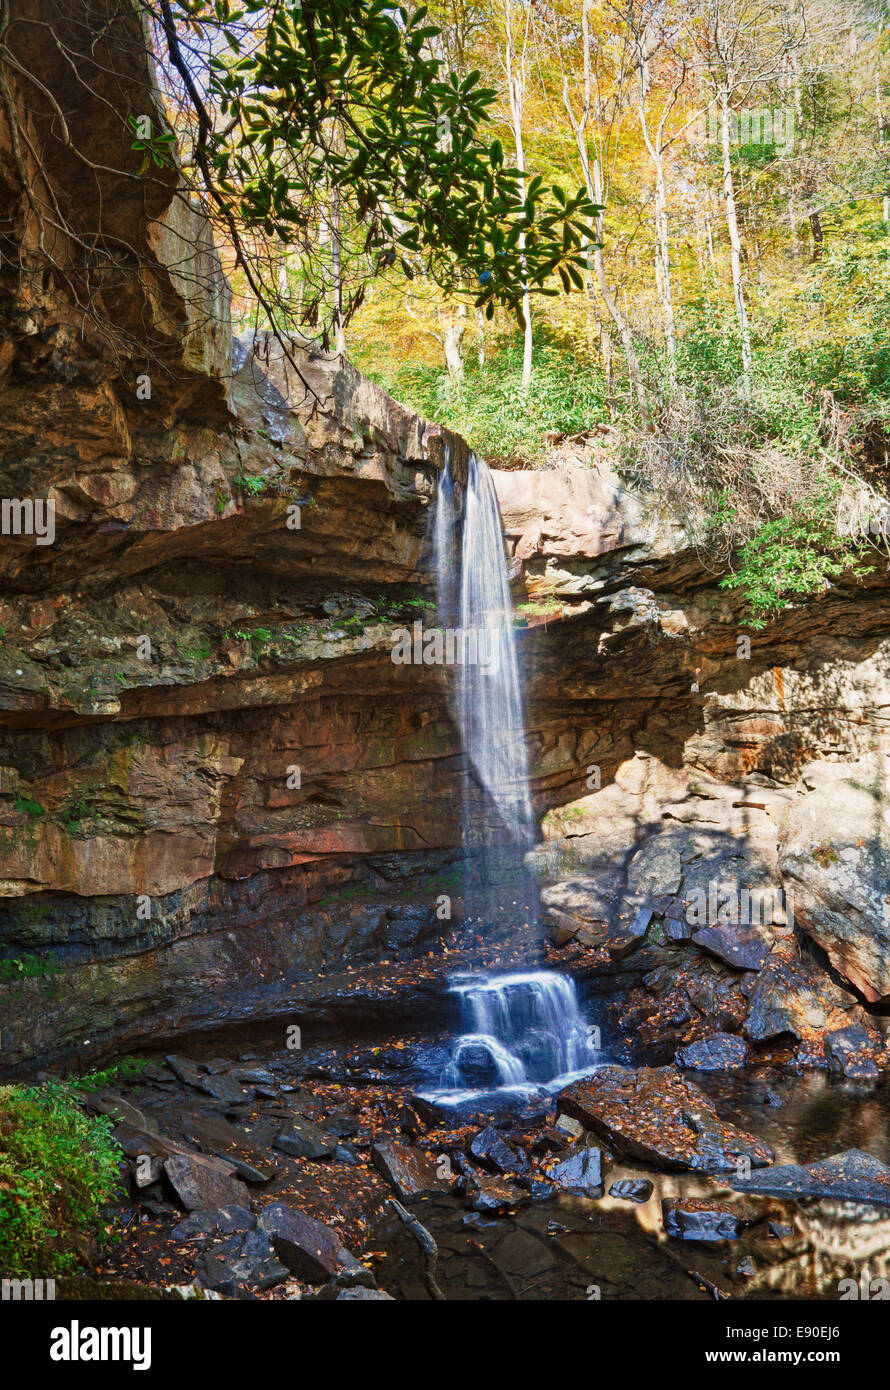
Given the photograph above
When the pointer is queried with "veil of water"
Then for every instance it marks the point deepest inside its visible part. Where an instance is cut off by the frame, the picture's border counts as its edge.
(524, 1031)
(473, 599)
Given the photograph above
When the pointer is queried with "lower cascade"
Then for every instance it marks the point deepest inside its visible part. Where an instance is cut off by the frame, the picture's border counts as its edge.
(524, 1033)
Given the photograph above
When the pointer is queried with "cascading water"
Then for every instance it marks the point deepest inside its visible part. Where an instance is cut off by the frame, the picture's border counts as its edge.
(524, 1030)
(525, 1034)
(473, 599)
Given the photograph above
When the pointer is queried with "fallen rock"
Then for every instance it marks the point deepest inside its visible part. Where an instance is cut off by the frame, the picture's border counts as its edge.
(632, 1189)
(581, 1172)
(794, 996)
(302, 1139)
(189, 1072)
(407, 1170)
(200, 1182)
(700, 1218)
(746, 948)
(215, 1221)
(854, 1176)
(495, 1194)
(493, 1152)
(657, 1115)
(226, 1090)
(311, 1250)
(718, 1052)
(851, 1052)
(242, 1261)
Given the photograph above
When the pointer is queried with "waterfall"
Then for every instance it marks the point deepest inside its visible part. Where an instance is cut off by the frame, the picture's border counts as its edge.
(473, 599)
(525, 1033)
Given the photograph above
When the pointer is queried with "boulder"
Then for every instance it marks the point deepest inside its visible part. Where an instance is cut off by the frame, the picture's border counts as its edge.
(852, 1176)
(581, 1172)
(242, 1261)
(407, 1169)
(657, 1115)
(302, 1139)
(702, 1219)
(851, 1052)
(747, 948)
(717, 1052)
(632, 1189)
(834, 854)
(311, 1250)
(794, 996)
(200, 1182)
(493, 1152)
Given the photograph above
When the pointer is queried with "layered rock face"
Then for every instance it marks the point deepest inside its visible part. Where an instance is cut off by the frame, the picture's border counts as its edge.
(215, 783)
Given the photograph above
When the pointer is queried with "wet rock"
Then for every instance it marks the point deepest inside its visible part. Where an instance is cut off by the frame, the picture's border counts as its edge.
(494, 1153)
(746, 948)
(657, 1115)
(746, 1268)
(302, 1139)
(495, 1195)
(851, 1052)
(702, 1219)
(780, 1230)
(794, 996)
(311, 1250)
(537, 1188)
(853, 1175)
(247, 1261)
(215, 1221)
(200, 1182)
(581, 1172)
(718, 1052)
(254, 1076)
(553, 1139)
(676, 929)
(345, 1153)
(569, 1126)
(409, 1171)
(632, 1189)
(363, 1295)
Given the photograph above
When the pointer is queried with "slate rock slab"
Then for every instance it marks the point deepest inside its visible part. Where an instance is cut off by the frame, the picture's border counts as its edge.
(311, 1250)
(702, 1219)
(746, 948)
(303, 1139)
(853, 1176)
(200, 1182)
(409, 1171)
(632, 1189)
(242, 1261)
(581, 1172)
(659, 1116)
(717, 1052)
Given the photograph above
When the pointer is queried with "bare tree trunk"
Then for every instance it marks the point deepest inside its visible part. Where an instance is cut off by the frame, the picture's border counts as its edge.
(452, 343)
(735, 244)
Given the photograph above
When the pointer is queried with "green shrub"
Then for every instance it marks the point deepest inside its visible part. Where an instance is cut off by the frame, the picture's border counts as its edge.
(58, 1167)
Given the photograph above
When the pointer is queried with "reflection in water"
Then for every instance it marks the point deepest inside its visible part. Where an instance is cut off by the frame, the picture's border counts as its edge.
(575, 1248)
